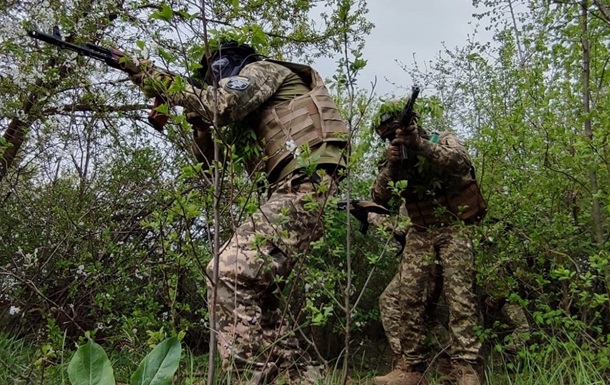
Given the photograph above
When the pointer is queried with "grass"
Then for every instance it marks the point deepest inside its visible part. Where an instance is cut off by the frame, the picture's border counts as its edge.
(17, 361)
(559, 363)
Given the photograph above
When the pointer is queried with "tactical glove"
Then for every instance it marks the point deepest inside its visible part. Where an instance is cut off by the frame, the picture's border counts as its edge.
(133, 65)
(394, 154)
(152, 81)
(408, 136)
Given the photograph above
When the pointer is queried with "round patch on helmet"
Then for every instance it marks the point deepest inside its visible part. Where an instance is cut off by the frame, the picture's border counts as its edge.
(237, 83)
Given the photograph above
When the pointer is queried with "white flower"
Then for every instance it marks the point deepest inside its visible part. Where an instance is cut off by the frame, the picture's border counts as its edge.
(80, 271)
(14, 310)
(290, 146)
(135, 60)
(144, 53)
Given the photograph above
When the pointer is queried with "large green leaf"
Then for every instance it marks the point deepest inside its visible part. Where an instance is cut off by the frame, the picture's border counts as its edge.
(90, 366)
(159, 366)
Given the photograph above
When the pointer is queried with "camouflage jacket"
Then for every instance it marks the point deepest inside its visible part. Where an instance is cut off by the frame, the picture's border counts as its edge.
(440, 183)
(238, 99)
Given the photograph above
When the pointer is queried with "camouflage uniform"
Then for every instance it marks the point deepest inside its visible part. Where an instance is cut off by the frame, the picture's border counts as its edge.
(280, 102)
(441, 200)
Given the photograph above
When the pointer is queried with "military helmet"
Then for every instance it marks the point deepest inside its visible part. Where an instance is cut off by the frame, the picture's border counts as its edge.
(227, 60)
(384, 121)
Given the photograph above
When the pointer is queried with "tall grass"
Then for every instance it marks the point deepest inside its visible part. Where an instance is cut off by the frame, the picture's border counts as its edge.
(558, 363)
(17, 361)
(554, 363)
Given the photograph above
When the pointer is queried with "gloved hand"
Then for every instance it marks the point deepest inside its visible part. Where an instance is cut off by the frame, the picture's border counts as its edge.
(408, 136)
(134, 65)
(394, 154)
(151, 81)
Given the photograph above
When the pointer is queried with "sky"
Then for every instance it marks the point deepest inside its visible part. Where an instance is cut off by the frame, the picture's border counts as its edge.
(408, 30)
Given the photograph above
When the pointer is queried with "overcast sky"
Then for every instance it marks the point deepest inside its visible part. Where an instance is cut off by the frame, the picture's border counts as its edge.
(408, 30)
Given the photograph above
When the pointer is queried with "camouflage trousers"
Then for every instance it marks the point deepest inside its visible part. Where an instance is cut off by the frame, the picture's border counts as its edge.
(403, 302)
(255, 337)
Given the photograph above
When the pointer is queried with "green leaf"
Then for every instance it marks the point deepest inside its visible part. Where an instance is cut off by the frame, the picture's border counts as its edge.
(162, 109)
(165, 13)
(159, 366)
(90, 366)
(166, 55)
(187, 16)
(358, 64)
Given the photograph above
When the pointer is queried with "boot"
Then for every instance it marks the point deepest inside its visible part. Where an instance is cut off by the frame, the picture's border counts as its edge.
(399, 366)
(462, 373)
(401, 374)
(307, 375)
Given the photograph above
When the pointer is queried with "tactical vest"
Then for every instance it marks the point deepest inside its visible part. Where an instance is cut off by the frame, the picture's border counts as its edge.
(310, 119)
(462, 201)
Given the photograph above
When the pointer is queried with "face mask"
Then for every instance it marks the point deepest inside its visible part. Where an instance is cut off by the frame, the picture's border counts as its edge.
(229, 62)
(222, 68)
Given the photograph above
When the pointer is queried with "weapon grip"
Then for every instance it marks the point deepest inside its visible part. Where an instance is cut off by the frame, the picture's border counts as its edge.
(157, 119)
(403, 153)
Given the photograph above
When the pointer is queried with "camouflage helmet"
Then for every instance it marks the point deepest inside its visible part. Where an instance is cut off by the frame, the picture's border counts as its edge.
(384, 121)
(227, 60)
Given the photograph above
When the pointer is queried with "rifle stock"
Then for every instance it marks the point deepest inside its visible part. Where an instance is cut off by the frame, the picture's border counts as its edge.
(360, 210)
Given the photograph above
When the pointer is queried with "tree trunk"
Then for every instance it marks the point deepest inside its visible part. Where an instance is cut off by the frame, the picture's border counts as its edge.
(598, 229)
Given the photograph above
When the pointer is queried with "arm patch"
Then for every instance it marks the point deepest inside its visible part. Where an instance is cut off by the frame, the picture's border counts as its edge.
(237, 83)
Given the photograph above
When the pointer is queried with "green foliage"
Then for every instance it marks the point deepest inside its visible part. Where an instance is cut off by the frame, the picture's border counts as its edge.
(90, 365)
(159, 366)
(520, 106)
(107, 225)
(558, 363)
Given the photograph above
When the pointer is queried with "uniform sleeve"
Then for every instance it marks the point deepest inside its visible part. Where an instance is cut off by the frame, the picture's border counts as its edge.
(449, 154)
(235, 97)
(203, 145)
(380, 193)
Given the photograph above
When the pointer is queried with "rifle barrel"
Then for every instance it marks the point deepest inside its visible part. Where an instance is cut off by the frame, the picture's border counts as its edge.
(90, 49)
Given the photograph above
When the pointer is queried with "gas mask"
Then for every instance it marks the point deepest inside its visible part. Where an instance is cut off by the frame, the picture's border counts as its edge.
(227, 61)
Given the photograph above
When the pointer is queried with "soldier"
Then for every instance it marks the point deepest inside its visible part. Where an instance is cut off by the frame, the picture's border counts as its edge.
(289, 108)
(442, 201)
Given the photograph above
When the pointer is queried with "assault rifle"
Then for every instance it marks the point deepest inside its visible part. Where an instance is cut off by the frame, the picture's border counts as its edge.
(407, 117)
(112, 57)
(361, 209)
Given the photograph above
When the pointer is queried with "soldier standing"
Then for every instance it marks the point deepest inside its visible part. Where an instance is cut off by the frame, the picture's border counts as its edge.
(442, 201)
(289, 108)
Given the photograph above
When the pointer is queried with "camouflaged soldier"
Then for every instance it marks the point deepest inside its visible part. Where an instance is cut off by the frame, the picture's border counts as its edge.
(287, 106)
(442, 200)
